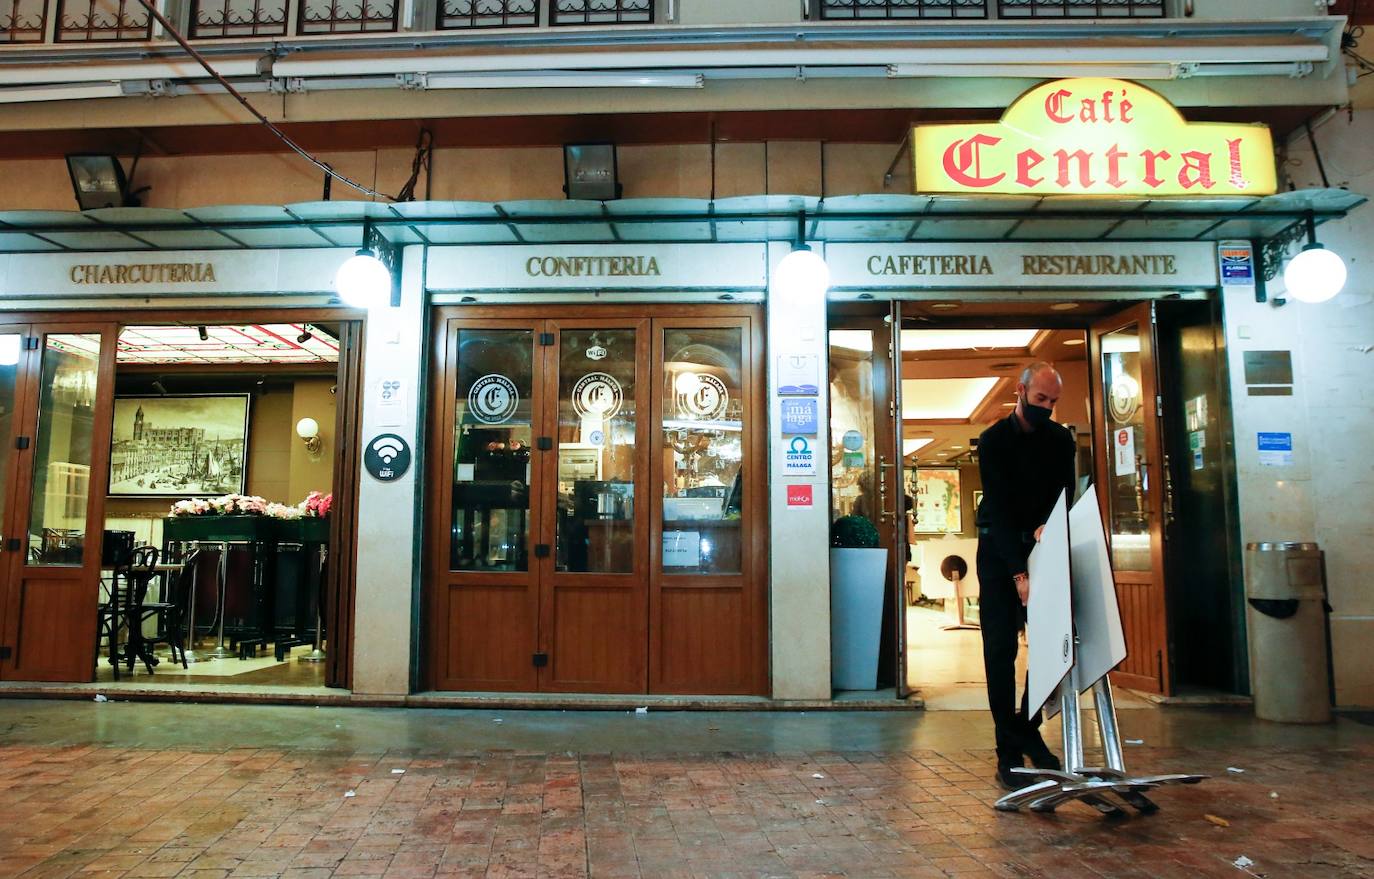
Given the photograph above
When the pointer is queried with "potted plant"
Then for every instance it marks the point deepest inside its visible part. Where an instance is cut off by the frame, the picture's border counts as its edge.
(858, 575)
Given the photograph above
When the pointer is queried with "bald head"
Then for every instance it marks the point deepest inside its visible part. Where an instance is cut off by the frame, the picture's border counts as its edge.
(1039, 388)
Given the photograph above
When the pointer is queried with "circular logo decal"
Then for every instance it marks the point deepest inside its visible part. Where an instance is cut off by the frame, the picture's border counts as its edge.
(597, 395)
(493, 399)
(1124, 398)
(706, 399)
(387, 457)
(853, 440)
(596, 352)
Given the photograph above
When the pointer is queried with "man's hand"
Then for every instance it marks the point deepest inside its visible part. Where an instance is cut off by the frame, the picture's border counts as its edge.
(1038, 532)
(1023, 588)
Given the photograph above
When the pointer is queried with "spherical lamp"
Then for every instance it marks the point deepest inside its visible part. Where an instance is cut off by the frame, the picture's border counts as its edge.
(1315, 275)
(363, 281)
(802, 273)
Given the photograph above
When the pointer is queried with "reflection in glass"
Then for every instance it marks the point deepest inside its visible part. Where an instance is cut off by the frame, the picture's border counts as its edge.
(492, 430)
(703, 424)
(62, 462)
(10, 344)
(596, 451)
(853, 468)
(1127, 477)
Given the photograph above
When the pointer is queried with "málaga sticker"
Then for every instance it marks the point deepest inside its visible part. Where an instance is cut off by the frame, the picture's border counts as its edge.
(493, 399)
(597, 395)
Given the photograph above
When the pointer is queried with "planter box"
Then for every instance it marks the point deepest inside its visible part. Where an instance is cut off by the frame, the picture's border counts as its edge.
(216, 528)
(858, 579)
(303, 530)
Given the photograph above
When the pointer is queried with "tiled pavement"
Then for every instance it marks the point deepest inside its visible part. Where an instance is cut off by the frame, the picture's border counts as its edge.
(208, 810)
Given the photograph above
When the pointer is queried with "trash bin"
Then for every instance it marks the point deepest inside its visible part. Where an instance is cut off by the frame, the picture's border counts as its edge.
(1285, 588)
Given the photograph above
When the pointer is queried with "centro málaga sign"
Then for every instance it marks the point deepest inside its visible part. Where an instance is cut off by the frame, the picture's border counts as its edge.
(1094, 137)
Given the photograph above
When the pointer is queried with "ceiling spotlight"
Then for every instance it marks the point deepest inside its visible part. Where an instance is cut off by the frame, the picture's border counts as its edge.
(203, 333)
(99, 182)
(158, 386)
(1063, 306)
(305, 335)
(944, 306)
(1073, 341)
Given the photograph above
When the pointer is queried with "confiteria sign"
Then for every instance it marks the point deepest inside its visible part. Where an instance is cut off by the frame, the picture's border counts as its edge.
(1094, 137)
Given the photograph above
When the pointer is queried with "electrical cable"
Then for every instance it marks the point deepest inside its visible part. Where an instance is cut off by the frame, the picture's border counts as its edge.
(424, 153)
(281, 135)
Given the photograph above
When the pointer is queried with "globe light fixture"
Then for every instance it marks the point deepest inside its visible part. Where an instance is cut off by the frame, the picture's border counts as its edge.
(363, 281)
(1315, 275)
(308, 429)
(9, 350)
(802, 273)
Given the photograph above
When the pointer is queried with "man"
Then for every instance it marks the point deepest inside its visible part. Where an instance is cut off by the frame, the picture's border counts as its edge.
(1025, 460)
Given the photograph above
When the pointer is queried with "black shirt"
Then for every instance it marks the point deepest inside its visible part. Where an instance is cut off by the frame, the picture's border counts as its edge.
(1023, 473)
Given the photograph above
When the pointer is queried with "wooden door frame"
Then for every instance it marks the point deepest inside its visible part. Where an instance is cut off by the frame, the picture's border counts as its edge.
(439, 472)
(1142, 315)
(341, 589)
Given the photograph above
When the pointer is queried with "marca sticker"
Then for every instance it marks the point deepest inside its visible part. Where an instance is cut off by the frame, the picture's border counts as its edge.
(799, 497)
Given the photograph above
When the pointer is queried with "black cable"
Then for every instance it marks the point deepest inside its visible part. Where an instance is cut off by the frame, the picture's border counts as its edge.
(424, 152)
(282, 135)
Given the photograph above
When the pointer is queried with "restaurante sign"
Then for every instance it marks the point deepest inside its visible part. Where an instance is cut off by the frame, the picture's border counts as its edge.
(1094, 137)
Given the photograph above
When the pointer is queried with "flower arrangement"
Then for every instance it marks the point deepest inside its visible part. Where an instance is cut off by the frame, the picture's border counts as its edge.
(316, 505)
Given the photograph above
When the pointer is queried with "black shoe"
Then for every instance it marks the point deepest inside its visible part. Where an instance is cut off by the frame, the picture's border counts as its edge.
(1011, 780)
(1042, 757)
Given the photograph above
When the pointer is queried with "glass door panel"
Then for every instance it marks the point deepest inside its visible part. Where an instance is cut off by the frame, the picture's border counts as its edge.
(492, 431)
(1128, 485)
(11, 348)
(596, 451)
(853, 460)
(703, 431)
(62, 462)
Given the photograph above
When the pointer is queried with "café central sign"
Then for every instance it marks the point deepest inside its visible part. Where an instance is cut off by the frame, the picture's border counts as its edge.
(1094, 137)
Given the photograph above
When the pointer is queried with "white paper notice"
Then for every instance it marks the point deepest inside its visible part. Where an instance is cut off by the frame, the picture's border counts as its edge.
(1123, 451)
(1049, 625)
(1096, 616)
(391, 402)
(681, 549)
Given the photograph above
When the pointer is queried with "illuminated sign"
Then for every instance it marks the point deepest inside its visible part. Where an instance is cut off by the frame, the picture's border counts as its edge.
(1094, 137)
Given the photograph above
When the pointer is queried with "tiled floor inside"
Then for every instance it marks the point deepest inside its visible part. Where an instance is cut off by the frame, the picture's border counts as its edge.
(148, 790)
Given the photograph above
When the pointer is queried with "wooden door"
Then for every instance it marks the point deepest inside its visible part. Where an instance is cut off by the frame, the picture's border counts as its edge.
(55, 478)
(707, 595)
(593, 622)
(484, 576)
(1131, 483)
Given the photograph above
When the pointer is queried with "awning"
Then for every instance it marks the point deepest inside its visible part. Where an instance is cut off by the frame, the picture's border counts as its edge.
(856, 218)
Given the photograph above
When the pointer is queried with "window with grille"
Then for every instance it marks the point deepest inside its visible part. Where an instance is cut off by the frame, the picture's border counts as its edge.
(868, 9)
(237, 18)
(488, 13)
(1080, 8)
(101, 20)
(347, 16)
(23, 21)
(574, 12)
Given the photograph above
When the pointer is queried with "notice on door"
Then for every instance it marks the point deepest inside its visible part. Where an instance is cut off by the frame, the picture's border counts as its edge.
(1123, 445)
(681, 549)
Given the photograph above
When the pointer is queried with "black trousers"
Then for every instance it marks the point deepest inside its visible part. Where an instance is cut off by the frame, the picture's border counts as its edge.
(1001, 618)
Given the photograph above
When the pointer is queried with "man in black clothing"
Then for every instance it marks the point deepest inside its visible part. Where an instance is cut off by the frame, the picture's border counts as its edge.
(1025, 460)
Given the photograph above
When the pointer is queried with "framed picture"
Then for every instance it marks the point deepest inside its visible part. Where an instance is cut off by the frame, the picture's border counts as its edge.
(186, 445)
(938, 501)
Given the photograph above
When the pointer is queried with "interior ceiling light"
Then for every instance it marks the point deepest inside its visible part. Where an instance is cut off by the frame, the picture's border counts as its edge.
(944, 306)
(944, 398)
(1073, 341)
(914, 445)
(1063, 306)
(305, 335)
(965, 340)
(852, 340)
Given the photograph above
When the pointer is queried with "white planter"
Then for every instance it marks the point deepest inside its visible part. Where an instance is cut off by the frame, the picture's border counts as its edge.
(857, 582)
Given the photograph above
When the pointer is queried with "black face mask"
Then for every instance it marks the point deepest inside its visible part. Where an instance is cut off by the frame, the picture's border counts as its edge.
(1036, 415)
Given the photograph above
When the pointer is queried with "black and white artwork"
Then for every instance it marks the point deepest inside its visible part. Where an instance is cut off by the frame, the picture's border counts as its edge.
(179, 446)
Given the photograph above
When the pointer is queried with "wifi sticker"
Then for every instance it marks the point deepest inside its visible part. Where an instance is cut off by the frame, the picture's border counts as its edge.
(387, 457)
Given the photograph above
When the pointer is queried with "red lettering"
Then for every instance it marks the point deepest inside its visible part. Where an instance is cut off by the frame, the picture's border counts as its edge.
(1025, 163)
(1196, 170)
(964, 156)
(1084, 159)
(1237, 173)
(1152, 160)
(1107, 107)
(1054, 106)
(1089, 112)
(1114, 156)
(1126, 108)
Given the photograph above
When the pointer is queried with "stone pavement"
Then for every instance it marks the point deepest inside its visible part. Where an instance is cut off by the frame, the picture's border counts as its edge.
(157, 790)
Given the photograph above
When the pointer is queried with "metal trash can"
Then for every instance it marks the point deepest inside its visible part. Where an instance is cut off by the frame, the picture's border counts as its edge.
(1285, 590)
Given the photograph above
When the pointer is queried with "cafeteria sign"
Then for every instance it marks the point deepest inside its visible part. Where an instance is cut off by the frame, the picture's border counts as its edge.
(1094, 137)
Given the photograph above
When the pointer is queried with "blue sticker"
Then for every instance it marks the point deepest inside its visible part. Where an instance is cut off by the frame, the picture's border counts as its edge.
(800, 416)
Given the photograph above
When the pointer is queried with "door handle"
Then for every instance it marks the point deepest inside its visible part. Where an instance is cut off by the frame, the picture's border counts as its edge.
(1168, 492)
(884, 513)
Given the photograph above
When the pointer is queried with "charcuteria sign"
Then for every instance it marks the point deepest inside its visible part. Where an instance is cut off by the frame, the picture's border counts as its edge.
(1094, 137)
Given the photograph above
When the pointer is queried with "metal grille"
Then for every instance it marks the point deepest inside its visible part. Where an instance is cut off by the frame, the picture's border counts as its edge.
(102, 20)
(864, 9)
(488, 13)
(346, 16)
(237, 18)
(574, 12)
(1080, 8)
(23, 21)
